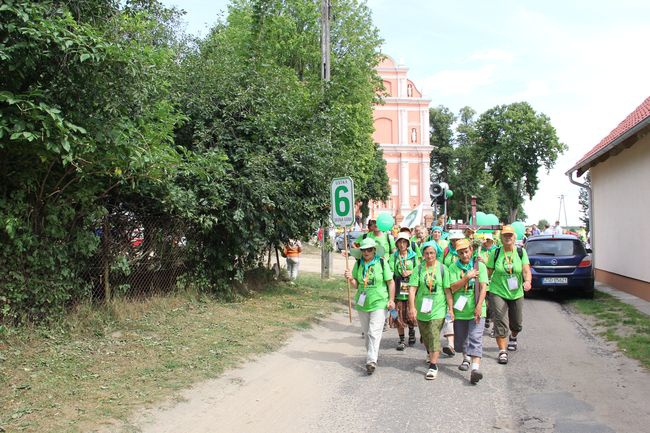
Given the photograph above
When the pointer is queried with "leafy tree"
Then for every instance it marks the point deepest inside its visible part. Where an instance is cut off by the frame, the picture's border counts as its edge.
(84, 111)
(583, 201)
(469, 177)
(253, 97)
(542, 224)
(441, 121)
(515, 142)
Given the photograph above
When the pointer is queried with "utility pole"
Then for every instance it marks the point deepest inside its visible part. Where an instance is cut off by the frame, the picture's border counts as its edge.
(326, 256)
(559, 212)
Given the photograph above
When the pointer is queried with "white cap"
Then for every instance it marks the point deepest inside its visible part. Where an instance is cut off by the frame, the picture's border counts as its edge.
(487, 236)
(404, 236)
(456, 234)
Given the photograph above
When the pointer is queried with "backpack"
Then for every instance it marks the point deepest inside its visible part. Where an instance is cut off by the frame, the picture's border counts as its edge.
(520, 253)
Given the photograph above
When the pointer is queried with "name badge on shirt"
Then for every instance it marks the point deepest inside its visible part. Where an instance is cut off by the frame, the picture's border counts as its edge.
(362, 299)
(460, 303)
(513, 283)
(404, 292)
(427, 305)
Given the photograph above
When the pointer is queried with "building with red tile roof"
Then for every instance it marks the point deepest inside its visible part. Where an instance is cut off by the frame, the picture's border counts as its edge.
(619, 166)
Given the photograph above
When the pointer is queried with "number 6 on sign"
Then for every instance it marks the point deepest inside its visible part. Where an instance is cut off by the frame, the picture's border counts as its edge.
(342, 201)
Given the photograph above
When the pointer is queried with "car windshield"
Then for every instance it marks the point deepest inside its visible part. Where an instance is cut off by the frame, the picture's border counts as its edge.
(555, 247)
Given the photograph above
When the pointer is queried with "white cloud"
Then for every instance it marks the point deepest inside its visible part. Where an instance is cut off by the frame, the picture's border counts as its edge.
(459, 81)
(492, 55)
(534, 89)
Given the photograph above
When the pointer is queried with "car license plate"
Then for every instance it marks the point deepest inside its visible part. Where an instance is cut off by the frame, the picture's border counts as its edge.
(555, 280)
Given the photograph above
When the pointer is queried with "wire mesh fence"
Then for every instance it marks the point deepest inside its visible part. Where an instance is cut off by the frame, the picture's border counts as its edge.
(137, 255)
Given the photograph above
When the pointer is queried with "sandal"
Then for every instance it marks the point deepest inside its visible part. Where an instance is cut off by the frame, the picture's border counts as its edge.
(411, 337)
(401, 346)
(512, 344)
(432, 373)
(449, 351)
(503, 357)
(464, 366)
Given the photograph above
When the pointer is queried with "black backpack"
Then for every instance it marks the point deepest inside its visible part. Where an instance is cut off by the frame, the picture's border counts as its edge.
(520, 253)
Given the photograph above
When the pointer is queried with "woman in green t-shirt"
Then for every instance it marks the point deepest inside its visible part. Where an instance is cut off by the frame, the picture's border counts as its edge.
(402, 263)
(468, 282)
(509, 270)
(429, 301)
(373, 280)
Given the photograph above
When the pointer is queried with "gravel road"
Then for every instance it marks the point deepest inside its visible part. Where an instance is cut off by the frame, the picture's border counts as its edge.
(562, 379)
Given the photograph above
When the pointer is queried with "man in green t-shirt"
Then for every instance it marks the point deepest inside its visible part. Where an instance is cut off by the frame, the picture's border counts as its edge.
(372, 278)
(510, 275)
(468, 281)
(386, 240)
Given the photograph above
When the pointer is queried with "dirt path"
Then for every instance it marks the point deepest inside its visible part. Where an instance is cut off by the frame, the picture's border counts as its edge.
(563, 379)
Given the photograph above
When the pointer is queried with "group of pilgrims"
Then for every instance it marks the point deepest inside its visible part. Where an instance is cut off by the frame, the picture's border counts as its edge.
(454, 288)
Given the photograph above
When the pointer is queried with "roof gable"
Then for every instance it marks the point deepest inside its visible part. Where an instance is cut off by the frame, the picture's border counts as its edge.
(641, 113)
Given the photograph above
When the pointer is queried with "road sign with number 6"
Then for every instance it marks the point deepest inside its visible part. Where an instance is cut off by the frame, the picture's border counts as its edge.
(343, 201)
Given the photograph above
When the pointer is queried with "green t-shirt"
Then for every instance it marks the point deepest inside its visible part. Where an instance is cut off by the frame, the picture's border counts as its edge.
(442, 244)
(501, 273)
(399, 264)
(385, 240)
(455, 274)
(421, 279)
(451, 256)
(375, 287)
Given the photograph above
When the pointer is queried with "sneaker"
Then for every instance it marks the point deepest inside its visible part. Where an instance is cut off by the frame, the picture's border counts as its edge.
(503, 357)
(464, 366)
(449, 351)
(370, 367)
(432, 373)
(401, 346)
(475, 376)
(512, 344)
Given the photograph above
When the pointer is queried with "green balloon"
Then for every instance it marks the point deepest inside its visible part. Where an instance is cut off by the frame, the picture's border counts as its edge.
(385, 221)
(520, 229)
(481, 219)
(449, 193)
(492, 219)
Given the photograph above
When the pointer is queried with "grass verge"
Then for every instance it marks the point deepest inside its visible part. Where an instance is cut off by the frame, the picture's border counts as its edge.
(99, 365)
(619, 322)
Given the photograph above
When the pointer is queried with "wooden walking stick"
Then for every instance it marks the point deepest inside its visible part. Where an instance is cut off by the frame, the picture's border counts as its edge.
(347, 256)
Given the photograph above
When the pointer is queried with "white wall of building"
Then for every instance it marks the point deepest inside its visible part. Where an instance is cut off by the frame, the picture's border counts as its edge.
(621, 199)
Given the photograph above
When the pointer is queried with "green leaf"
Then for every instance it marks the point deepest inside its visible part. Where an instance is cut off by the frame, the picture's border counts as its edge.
(84, 57)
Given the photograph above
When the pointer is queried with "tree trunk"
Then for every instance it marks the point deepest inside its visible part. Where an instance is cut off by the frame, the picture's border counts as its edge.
(512, 215)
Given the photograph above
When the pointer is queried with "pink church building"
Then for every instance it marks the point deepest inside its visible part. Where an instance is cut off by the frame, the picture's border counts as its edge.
(402, 129)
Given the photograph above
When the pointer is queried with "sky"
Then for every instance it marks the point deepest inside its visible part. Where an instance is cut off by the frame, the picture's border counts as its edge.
(582, 63)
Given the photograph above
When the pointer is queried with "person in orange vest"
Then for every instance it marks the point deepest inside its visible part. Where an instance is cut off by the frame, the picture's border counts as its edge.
(292, 250)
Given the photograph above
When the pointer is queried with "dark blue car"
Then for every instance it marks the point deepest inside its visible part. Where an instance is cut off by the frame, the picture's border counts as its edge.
(560, 262)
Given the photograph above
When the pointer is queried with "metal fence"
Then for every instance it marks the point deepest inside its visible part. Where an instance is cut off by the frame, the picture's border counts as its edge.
(137, 255)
